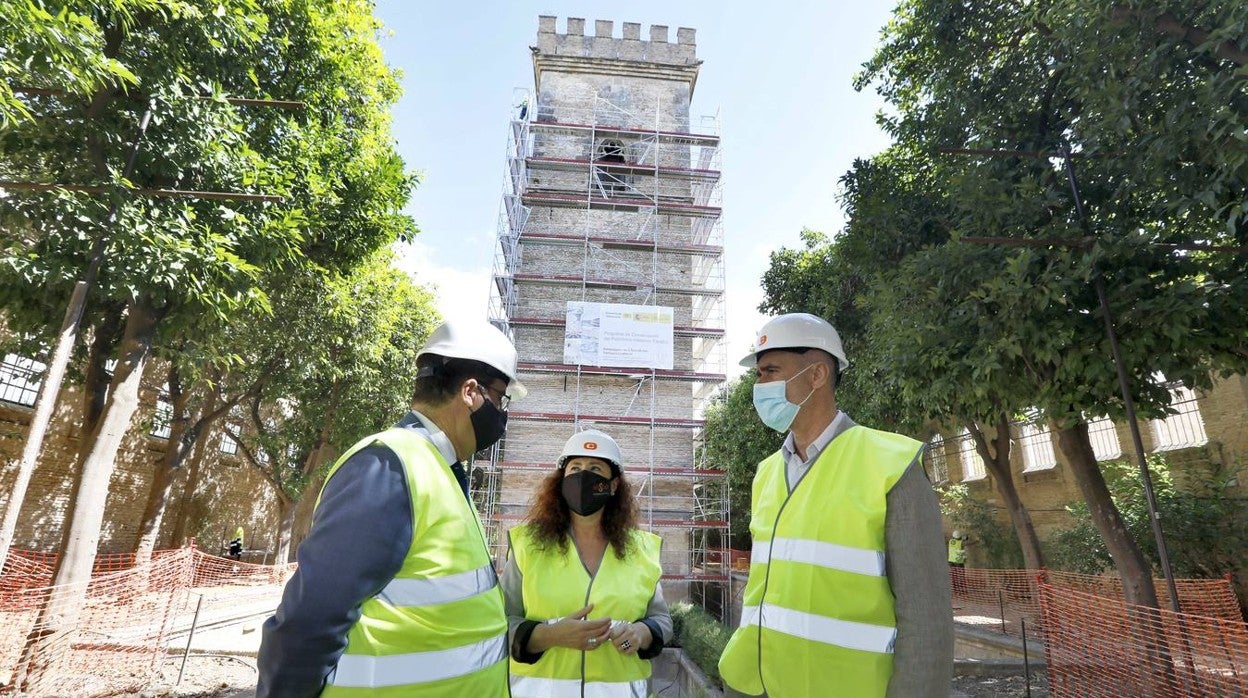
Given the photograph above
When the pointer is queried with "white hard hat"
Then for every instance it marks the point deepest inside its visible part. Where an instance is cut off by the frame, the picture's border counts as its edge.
(957, 534)
(593, 444)
(479, 341)
(797, 331)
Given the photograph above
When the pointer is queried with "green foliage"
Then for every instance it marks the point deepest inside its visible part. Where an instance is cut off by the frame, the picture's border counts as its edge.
(193, 260)
(956, 332)
(332, 364)
(1206, 530)
(57, 46)
(736, 441)
(701, 637)
(997, 544)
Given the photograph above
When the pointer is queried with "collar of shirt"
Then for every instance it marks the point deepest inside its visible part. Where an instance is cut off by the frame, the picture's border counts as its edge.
(439, 438)
(789, 449)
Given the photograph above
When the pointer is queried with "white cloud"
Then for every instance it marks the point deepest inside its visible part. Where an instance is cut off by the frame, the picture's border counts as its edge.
(460, 293)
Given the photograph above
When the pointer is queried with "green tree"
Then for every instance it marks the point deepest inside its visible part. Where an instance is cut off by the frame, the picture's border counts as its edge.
(177, 263)
(58, 48)
(1022, 77)
(1207, 527)
(897, 206)
(333, 363)
(736, 441)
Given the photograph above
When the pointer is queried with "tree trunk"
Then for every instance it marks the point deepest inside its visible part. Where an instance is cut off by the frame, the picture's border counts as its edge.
(59, 616)
(45, 405)
(95, 380)
(192, 480)
(285, 527)
(166, 470)
(998, 465)
(1137, 576)
(1133, 569)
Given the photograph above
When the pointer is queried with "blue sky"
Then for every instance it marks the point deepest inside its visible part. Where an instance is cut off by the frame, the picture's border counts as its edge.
(778, 74)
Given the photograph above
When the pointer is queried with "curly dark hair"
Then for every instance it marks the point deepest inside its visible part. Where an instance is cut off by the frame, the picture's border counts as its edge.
(551, 520)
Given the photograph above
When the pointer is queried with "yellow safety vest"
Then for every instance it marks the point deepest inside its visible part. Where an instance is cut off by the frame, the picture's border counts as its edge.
(817, 616)
(957, 553)
(556, 584)
(438, 628)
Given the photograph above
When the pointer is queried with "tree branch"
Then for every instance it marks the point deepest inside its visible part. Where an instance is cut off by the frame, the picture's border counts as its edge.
(1171, 26)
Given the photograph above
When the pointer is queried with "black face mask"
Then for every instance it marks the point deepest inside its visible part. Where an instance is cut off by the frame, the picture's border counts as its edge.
(586, 491)
(488, 424)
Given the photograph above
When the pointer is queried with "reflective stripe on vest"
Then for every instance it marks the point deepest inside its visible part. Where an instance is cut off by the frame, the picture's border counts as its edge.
(365, 671)
(815, 552)
(808, 626)
(435, 590)
(571, 688)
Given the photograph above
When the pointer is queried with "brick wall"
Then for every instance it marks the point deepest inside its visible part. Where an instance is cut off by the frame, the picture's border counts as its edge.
(1223, 409)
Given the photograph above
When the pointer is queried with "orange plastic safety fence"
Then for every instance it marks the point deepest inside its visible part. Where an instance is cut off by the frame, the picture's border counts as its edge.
(1100, 647)
(987, 597)
(105, 637)
(112, 636)
(211, 571)
(24, 570)
(1202, 597)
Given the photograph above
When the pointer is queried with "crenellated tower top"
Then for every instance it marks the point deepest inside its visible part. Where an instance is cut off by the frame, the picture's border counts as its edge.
(604, 43)
(627, 55)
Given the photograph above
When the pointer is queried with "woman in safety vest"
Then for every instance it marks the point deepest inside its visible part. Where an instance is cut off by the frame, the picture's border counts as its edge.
(584, 605)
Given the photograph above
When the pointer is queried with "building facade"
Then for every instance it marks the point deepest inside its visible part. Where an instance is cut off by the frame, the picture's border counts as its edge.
(1204, 439)
(612, 198)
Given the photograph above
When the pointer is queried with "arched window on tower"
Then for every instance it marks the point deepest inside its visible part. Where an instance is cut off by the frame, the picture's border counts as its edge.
(611, 181)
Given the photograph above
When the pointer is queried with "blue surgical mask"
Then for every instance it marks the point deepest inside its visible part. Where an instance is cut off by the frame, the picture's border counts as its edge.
(771, 401)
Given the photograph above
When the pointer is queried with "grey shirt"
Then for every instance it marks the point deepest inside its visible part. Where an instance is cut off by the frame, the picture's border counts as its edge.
(917, 571)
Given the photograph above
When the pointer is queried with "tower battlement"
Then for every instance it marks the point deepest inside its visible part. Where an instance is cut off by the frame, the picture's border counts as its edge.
(604, 44)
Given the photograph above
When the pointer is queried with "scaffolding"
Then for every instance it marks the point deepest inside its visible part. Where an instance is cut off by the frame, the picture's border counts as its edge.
(601, 204)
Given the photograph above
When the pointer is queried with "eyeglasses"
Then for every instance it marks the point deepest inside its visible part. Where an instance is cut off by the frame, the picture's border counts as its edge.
(503, 398)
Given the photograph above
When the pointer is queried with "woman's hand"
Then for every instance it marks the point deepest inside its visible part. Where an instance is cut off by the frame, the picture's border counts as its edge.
(630, 637)
(573, 632)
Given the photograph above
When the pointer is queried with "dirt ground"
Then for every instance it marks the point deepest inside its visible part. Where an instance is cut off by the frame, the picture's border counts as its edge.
(205, 677)
(222, 677)
(1002, 686)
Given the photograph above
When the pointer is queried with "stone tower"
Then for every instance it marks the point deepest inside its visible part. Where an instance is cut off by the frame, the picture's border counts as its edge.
(612, 200)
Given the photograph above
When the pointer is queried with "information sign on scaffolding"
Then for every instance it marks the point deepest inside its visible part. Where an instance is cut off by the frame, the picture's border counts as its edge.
(616, 334)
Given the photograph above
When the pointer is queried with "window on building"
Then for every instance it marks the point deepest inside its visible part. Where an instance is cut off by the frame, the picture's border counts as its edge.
(162, 417)
(1037, 446)
(973, 467)
(1104, 436)
(934, 456)
(228, 445)
(610, 151)
(20, 378)
(1183, 429)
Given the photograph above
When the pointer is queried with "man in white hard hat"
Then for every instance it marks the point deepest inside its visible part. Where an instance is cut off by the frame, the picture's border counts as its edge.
(848, 593)
(395, 591)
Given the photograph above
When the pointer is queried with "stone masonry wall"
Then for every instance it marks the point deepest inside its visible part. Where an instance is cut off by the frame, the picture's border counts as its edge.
(229, 495)
(1224, 410)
